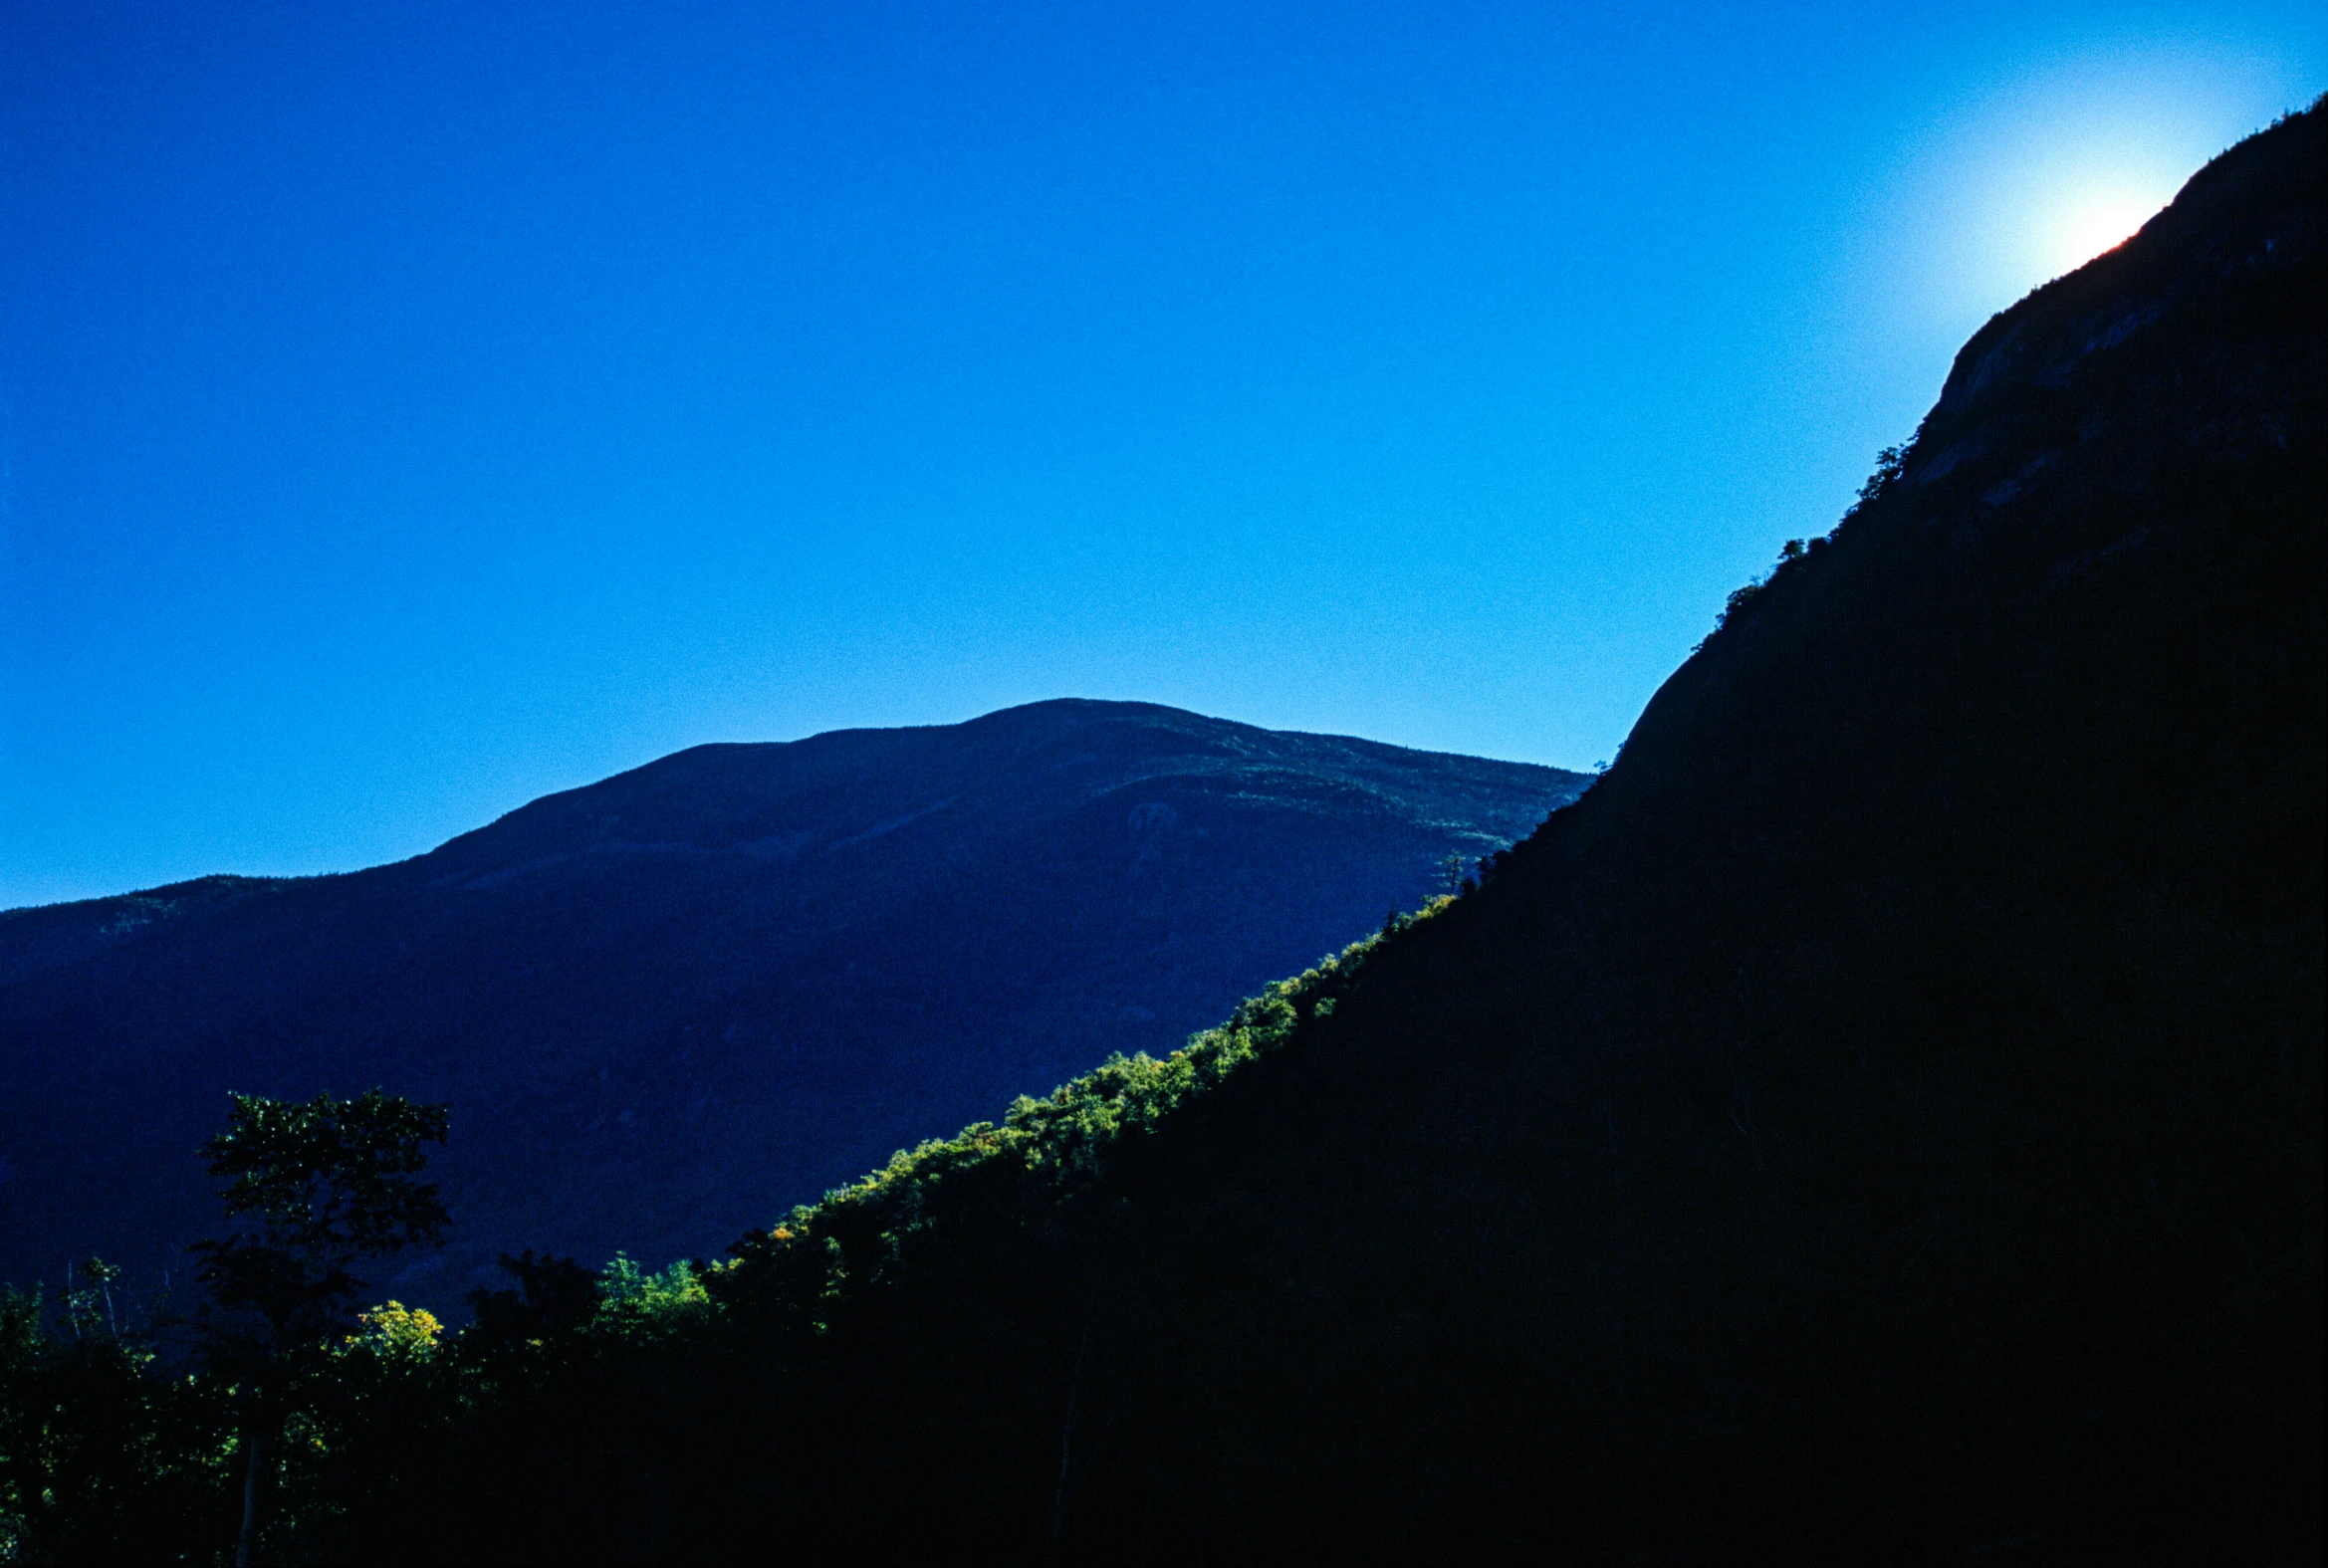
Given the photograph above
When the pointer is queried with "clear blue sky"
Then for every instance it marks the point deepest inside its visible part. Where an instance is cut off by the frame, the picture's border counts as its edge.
(409, 410)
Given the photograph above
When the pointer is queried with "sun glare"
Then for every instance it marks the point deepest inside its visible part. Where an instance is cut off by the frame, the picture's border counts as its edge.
(2041, 170)
(2085, 226)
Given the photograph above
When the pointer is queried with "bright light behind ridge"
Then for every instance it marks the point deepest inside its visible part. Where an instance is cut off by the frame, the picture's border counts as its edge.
(2046, 168)
(2054, 187)
(2094, 222)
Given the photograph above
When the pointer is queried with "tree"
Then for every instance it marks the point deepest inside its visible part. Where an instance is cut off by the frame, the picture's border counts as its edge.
(318, 1188)
(555, 1298)
(83, 1306)
(103, 1456)
(1453, 869)
(1890, 464)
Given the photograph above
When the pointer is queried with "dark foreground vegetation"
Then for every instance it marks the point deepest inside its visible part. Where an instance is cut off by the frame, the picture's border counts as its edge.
(1882, 1121)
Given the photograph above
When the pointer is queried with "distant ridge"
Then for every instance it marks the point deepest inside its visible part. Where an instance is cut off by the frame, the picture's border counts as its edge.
(669, 1002)
(1881, 1122)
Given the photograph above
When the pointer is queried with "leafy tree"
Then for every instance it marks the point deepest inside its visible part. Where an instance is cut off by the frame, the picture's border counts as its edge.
(319, 1186)
(1890, 464)
(103, 1456)
(556, 1299)
(633, 1300)
(89, 1306)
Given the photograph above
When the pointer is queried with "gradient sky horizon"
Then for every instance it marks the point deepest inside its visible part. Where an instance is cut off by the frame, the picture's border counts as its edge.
(407, 411)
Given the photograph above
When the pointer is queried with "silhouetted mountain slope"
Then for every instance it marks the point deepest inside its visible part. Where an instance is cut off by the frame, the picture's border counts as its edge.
(1881, 1122)
(672, 1003)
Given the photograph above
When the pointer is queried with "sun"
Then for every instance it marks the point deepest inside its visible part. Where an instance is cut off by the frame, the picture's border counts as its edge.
(2051, 165)
(2085, 225)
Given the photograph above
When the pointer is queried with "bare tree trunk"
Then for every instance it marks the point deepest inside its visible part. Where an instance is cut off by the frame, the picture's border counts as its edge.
(254, 1458)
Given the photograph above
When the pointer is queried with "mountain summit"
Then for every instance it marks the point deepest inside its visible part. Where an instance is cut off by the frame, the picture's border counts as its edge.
(669, 1003)
(1881, 1122)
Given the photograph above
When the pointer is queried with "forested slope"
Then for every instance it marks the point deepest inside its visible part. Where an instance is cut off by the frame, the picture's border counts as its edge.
(671, 1003)
(1880, 1122)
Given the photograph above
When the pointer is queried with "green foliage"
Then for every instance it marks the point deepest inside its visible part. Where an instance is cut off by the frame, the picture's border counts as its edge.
(319, 1186)
(103, 1455)
(1882, 1126)
(633, 1301)
(396, 1334)
(1256, 849)
(1044, 1155)
(89, 1306)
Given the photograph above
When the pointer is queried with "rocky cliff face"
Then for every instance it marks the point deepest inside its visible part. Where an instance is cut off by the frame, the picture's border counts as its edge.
(675, 1001)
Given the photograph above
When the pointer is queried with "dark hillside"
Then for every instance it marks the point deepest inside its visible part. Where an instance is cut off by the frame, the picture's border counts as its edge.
(1881, 1122)
(675, 1001)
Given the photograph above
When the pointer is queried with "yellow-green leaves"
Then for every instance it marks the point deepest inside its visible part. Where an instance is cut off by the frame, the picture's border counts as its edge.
(395, 1332)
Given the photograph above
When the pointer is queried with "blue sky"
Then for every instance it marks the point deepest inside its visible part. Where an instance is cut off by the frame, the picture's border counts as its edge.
(409, 410)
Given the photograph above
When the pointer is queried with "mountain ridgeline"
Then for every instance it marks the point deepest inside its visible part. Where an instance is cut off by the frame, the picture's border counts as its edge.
(1880, 1122)
(669, 1005)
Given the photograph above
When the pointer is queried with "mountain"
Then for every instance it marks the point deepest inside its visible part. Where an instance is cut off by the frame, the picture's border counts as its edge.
(1881, 1122)
(672, 1003)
